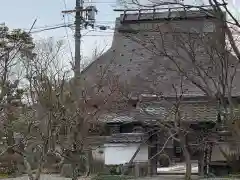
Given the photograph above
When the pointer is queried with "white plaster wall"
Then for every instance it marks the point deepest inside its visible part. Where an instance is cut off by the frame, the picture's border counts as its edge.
(226, 147)
(122, 153)
(216, 153)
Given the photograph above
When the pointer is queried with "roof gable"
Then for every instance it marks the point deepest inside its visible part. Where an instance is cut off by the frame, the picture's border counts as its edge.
(143, 71)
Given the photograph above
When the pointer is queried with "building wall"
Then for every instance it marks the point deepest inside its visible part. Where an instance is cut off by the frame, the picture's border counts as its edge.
(228, 148)
(216, 153)
(122, 153)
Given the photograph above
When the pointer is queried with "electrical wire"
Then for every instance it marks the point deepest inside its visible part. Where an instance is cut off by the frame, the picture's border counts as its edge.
(45, 26)
(99, 35)
(66, 31)
(69, 24)
(51, 28)
(65, 8)
(101, 2)
(106, 22)
(48, 27)
(69, 44)
(105, 33)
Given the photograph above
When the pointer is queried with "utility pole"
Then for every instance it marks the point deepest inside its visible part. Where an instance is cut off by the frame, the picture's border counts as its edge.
(84, 17)
(78, 23)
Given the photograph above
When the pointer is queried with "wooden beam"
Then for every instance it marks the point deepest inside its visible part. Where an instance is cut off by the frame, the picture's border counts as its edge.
(164, 4)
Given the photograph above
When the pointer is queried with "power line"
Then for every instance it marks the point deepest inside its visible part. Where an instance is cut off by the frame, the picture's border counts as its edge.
(106, 22)
(66, 30)
(65, 8)
(99, 35)
(101, 2)
(38, 30)
(69, 24)
(105, 32)
(69, 45)
(65, 4)
(46, 27)
(51, 28)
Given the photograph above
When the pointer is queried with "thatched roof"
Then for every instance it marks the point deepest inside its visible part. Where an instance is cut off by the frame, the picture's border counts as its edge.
(141, 71)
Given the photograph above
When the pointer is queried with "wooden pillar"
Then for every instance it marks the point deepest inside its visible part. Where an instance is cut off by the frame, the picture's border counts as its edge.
(137, 169)
(152, 151)
(89, 162)
(201, 163)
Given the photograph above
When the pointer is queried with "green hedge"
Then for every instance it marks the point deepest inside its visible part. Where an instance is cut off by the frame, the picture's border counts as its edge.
(111, 177)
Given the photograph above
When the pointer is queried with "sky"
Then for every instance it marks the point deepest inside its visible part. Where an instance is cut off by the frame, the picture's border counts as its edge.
(21, 14)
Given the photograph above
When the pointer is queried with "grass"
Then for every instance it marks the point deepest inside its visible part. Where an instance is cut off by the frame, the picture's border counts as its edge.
(2, 175)
(110, 177)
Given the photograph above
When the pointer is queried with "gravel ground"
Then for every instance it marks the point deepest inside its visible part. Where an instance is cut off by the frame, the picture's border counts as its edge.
(160, 177)
(178, 168)
(181, 177)
(43, 177)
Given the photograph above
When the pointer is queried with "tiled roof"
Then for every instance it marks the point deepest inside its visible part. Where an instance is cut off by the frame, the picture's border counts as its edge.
(116, 138)
(142, 71)
(151, 111)
(126, 138)
(193, 111)
(117, 118)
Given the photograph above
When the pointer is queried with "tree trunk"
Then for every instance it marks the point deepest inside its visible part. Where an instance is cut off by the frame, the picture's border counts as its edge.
(187, 156)
(28, 169)
(10, 137)
(188, 165)
(41, 161)
(89, 163)
(75, 171)
(39, 171)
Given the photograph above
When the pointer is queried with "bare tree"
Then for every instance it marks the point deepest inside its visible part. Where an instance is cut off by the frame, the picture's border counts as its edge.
(55, 121)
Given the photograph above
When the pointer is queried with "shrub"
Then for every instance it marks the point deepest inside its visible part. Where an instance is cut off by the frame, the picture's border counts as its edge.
(164, 160)
(111, 177)
(114, 170)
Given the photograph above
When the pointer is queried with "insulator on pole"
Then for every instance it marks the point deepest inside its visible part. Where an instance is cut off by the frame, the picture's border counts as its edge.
(91, 13)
